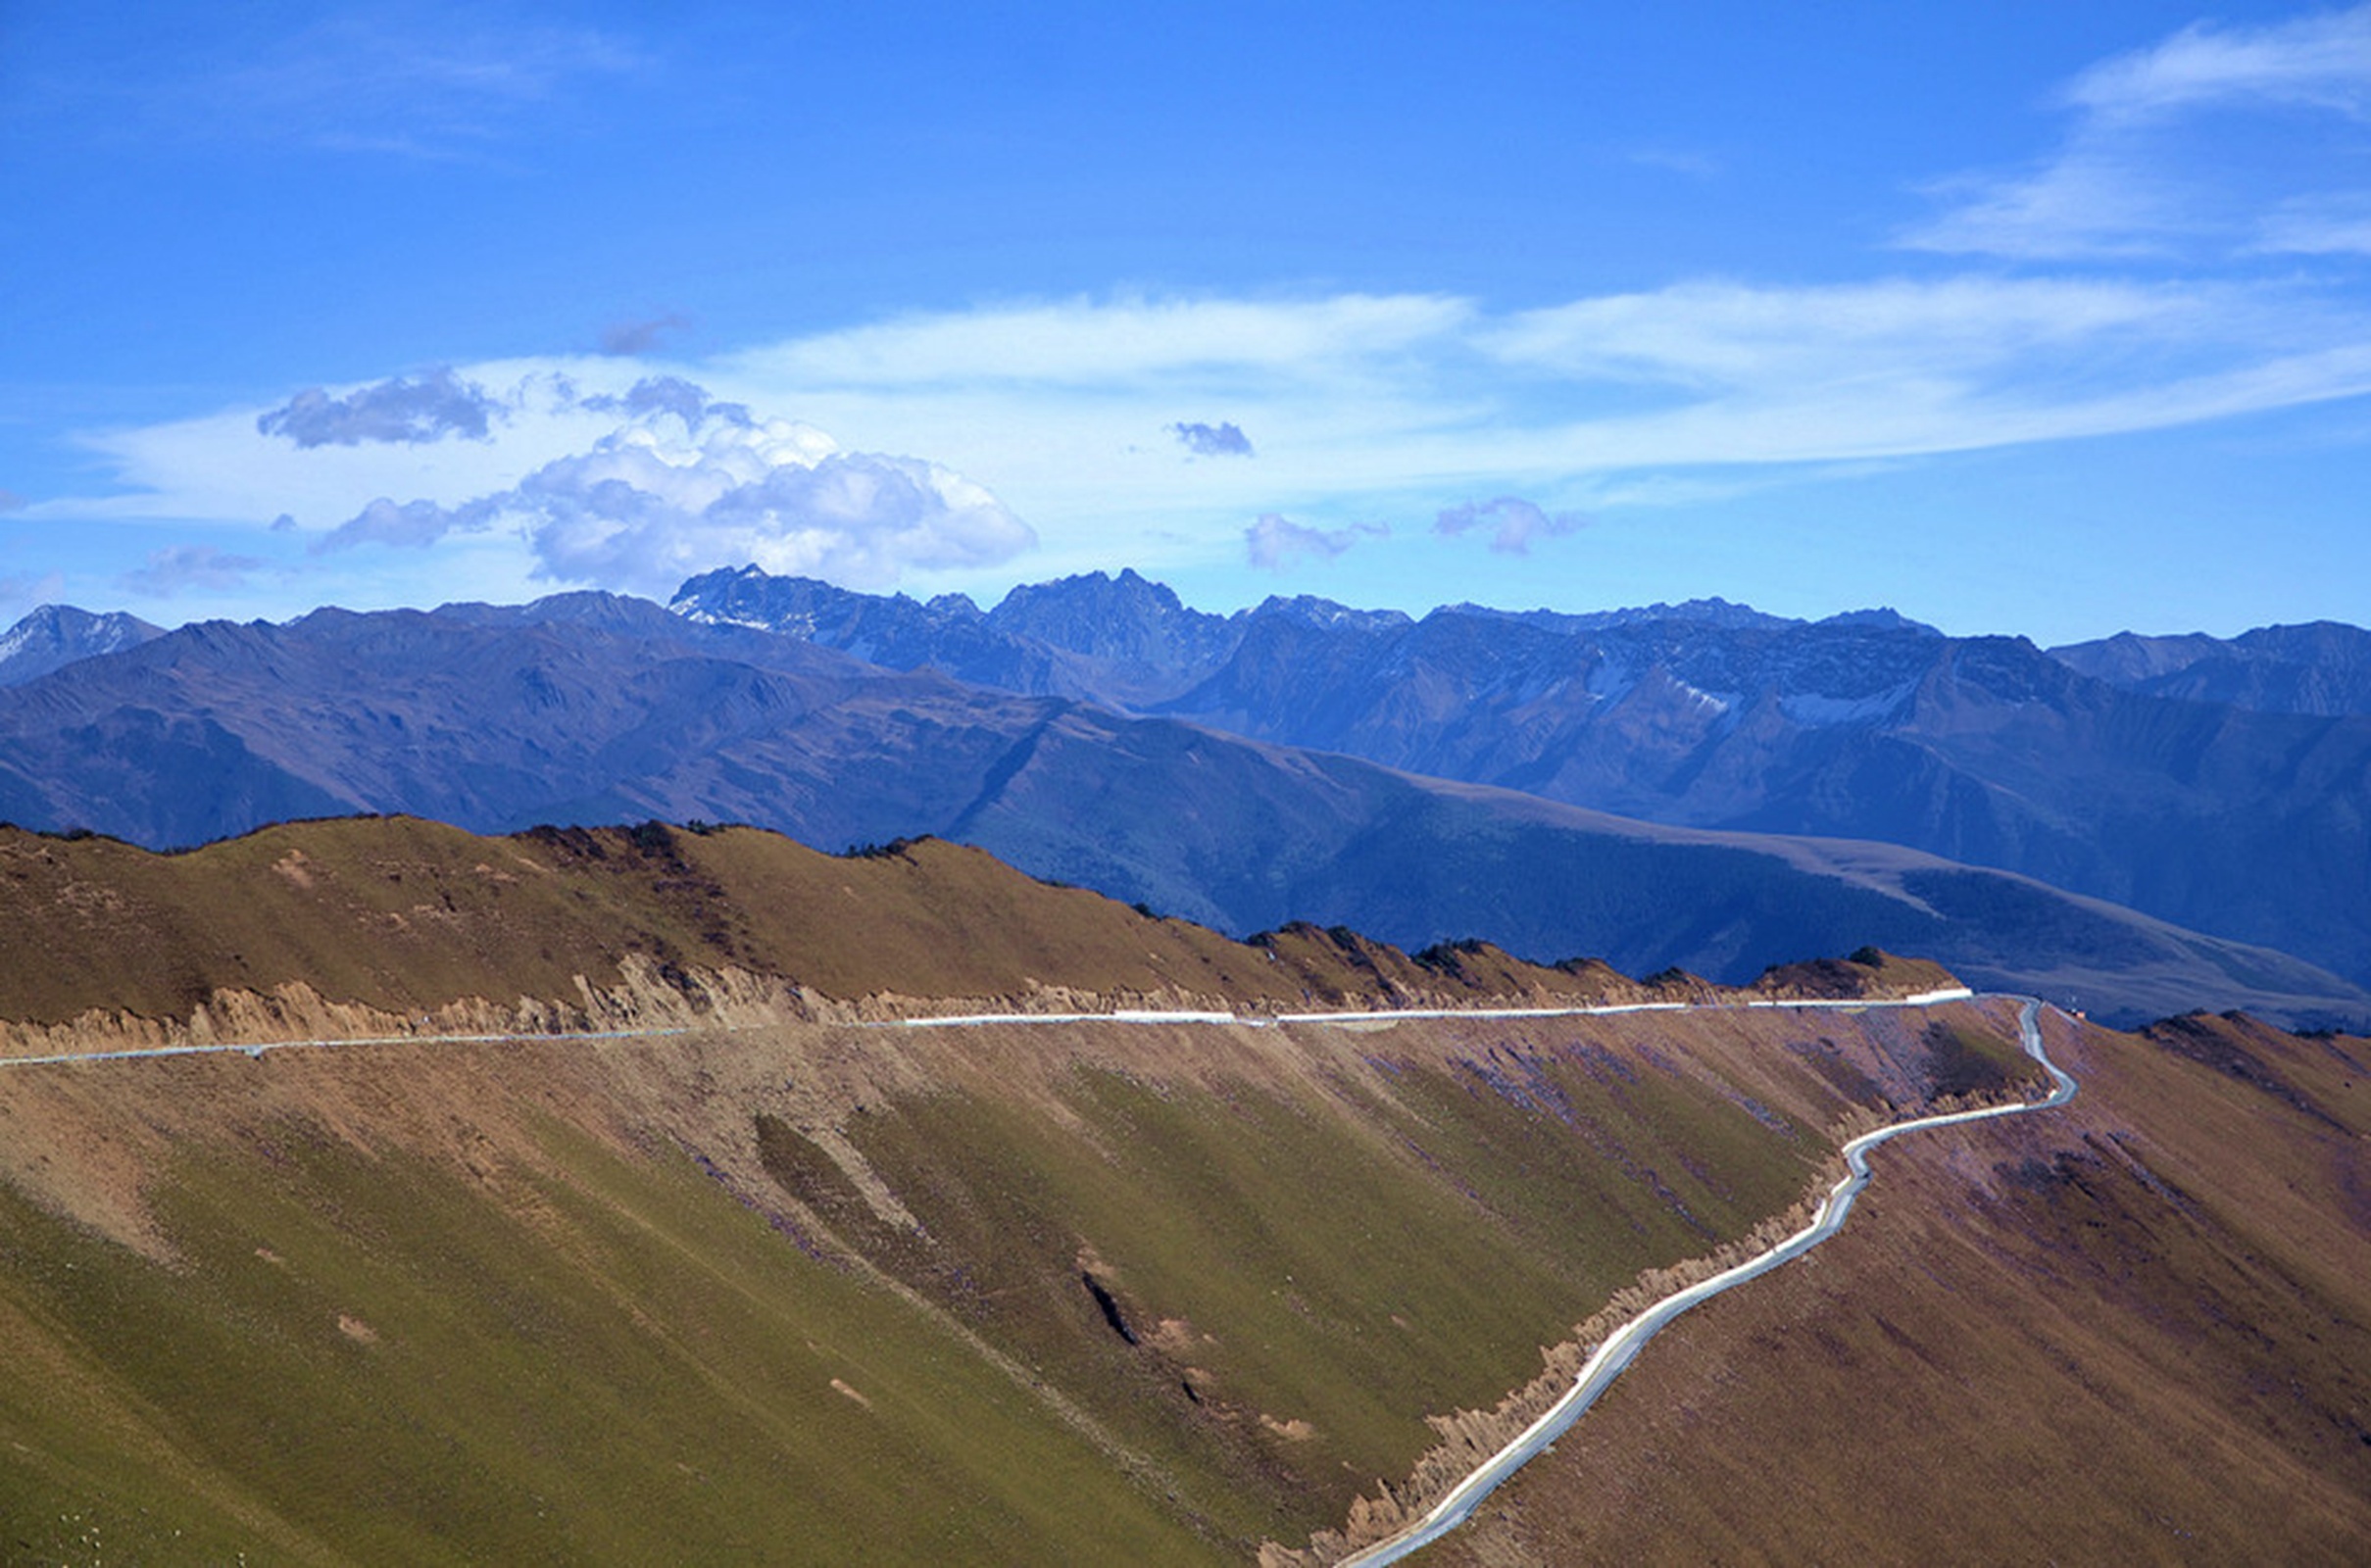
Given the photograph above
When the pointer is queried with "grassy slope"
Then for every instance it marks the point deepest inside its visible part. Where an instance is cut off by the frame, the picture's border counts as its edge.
(663, 1299)
(587, 1301)
(405, 915)
(2138, 1329)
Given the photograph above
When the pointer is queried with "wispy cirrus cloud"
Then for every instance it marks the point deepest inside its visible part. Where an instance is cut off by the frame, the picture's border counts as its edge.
(2219, 139)
(1087, 342)
(1400, 407)
(420, 81)
(183, 568)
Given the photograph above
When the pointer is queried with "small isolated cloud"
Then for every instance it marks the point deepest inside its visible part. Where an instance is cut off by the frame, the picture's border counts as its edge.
(685, 483)
(1223, 440)
(627, 338)
(431, 409)
(181, 567)
(1275, 542)
(1512, 522)
(414, 524)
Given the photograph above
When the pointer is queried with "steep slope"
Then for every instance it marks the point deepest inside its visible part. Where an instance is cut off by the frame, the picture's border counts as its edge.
(2135, 1331)
(403, 918)
(760, 1286)
(592, 709)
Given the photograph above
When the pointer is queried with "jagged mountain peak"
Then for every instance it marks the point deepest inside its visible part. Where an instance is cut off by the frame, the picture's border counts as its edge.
(52, 636)
(1128, 617)
(1312, 610)
(1883, 618)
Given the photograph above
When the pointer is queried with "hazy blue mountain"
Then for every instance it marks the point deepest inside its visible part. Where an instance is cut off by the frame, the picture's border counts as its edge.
(2323, 667)
(2204, 809)
(57, 635)
(589, 708)
(1119, 641)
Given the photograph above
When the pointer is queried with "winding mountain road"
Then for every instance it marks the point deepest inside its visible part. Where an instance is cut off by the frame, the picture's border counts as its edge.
(1610, 1359)
(1623, 1346)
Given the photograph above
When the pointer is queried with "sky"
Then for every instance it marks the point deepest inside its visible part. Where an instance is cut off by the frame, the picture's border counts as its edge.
(2018, 318)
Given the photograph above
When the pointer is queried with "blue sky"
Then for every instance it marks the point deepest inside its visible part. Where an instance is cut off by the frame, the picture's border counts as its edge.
(2025, 318)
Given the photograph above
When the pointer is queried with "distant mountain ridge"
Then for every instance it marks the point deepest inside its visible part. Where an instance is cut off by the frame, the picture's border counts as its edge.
(593, 709)
(54, 636)
(2322, 667)
(2222, 786)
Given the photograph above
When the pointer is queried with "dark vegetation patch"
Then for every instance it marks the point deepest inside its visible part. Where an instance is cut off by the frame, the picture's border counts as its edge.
(2221, 1041)
(1961, 1060)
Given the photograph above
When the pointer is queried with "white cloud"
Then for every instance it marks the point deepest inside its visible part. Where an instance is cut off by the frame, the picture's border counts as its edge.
(2325, 225)
(437, 405)
(180, 569)
(1275, 543)
(1511, 521)
(600, 469)
(2322, 60)
(2151, 165)
(1090, 343)
(686, 483)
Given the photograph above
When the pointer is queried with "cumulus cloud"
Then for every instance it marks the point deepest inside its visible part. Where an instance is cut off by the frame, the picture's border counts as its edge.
(686, 482)
(1512, 522)
(1224, 440)
(628, 338)
(437, 406)
(181, 567)
(2211, 138)
(1275, 542)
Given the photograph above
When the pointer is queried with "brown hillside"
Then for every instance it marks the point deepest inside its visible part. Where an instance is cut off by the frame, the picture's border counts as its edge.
(835, 1292)
(2138, 1330)
(395, 924)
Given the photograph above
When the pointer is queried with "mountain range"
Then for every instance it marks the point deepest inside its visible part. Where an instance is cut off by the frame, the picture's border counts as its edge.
(2224, 786)
(1423, 781)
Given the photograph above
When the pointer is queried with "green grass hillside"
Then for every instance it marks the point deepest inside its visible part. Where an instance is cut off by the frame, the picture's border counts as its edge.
(788, 1284)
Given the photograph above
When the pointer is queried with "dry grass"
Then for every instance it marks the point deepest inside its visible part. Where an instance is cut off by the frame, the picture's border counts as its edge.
(2137, 1330)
